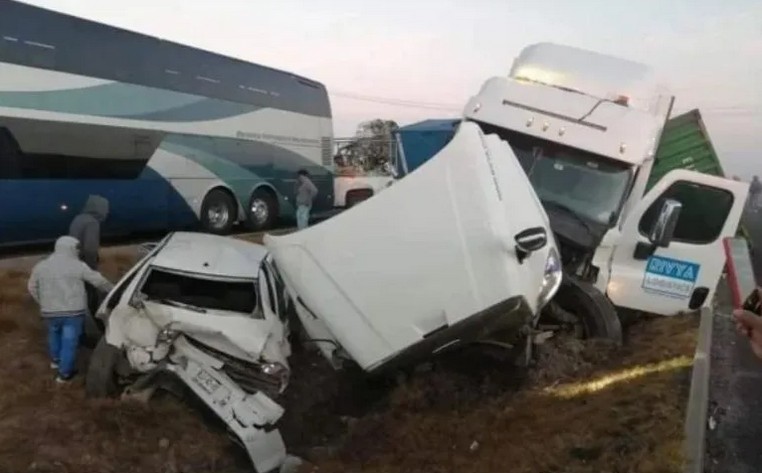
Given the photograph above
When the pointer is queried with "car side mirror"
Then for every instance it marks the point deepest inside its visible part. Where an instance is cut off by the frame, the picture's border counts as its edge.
(530, 240)
(663, 228)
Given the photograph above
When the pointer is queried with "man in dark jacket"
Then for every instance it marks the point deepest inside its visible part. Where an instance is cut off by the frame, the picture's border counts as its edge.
(86, 228)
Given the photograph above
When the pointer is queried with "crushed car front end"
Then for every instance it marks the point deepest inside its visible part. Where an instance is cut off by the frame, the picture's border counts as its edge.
(199, 308)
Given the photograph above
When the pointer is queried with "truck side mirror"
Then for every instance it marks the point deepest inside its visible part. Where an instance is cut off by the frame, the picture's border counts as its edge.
(663, 228)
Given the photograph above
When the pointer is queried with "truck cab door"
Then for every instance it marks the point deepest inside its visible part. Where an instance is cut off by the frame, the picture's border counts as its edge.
(681, 271)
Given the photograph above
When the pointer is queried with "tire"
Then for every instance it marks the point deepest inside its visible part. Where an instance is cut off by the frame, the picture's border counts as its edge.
(262, 212)
(597, 313)
(218, 212)
(93, 328)
(92, 331)
(100, 381)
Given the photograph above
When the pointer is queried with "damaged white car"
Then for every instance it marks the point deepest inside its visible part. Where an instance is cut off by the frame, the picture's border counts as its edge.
(204, 308)
(459, 249)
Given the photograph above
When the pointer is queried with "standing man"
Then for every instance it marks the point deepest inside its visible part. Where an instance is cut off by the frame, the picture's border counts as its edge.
(305, 195)
(57, 284)
(86, 228)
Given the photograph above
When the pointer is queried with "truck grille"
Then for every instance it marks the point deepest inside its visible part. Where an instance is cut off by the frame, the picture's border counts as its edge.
(248, 375)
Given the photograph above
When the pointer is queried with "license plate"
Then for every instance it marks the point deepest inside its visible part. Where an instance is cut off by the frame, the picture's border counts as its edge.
(206, 381)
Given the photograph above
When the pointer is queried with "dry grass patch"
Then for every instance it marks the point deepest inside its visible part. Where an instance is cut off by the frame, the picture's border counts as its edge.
(46, 427)
(587, 408)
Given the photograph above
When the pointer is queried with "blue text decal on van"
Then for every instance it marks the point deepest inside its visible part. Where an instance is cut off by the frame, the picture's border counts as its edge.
(670, 277)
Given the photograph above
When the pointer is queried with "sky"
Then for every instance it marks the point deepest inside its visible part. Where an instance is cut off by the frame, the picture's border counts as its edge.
(408, 60)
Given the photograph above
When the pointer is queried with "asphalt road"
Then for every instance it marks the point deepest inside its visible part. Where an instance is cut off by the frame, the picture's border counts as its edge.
(734, 436)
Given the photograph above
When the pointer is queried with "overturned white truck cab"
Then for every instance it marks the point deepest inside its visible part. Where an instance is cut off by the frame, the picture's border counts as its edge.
(457, 250)
(440, 258)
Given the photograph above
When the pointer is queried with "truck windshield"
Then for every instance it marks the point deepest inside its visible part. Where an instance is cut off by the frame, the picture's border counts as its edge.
(590, 185)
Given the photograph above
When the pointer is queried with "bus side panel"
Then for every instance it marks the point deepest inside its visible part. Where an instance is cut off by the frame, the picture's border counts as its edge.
(244, 165)
(41, 209)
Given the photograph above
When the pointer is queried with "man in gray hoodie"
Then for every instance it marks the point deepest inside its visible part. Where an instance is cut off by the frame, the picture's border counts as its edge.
(86, 228)
(306, 192)
(57, 284)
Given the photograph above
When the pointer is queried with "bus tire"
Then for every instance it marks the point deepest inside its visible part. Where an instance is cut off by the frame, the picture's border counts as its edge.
(262, 211)
(218, 212)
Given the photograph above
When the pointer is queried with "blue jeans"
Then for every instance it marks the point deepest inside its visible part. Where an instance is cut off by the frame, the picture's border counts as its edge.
(302, 216)
(63, 341)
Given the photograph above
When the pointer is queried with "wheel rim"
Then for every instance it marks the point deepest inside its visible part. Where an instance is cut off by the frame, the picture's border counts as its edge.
(218, 216)
(259, 211)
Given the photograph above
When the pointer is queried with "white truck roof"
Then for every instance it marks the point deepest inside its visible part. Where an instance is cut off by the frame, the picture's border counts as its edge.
(605, 105)
(599, 75)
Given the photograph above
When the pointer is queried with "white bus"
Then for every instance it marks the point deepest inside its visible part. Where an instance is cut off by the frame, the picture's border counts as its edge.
(173, 136)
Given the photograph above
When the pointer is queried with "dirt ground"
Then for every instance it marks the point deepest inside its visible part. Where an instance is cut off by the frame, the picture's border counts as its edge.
(583, 408)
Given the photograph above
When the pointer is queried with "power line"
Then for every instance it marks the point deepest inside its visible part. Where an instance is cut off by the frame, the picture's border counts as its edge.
(398, 102)
(728, 110)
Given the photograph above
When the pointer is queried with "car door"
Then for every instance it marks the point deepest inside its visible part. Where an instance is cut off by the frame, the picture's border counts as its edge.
(682, 276)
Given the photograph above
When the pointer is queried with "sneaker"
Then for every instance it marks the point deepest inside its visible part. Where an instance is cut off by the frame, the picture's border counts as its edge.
(53, 365)
(60, 379)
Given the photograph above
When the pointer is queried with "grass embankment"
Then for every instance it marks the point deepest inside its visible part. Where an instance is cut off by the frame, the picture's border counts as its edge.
(586, 408)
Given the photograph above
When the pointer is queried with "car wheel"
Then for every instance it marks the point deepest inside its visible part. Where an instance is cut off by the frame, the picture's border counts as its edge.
(262, 210)
(218, 212)
(92, 331)
(100, 381)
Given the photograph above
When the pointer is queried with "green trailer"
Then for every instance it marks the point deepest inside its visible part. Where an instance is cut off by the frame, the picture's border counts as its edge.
(685, 144)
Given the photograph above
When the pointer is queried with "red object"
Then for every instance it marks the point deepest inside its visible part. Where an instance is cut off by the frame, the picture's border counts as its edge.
(739, 271)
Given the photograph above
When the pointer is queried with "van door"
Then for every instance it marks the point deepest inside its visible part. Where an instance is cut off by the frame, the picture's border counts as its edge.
(682, 276)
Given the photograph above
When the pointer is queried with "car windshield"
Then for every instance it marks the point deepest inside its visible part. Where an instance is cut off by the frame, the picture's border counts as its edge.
(587, 184)
(198, 293)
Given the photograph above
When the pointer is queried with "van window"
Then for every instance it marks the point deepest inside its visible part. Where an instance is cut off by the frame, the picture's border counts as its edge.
(702, 218)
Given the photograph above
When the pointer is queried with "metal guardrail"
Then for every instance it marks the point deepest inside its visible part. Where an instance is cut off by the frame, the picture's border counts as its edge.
(698, 399)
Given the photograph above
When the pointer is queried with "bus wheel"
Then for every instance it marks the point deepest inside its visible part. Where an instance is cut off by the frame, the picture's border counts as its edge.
(263, 210)
(218, 212)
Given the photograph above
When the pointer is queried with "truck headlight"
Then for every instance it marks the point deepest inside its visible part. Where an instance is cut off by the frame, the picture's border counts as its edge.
(551, 279)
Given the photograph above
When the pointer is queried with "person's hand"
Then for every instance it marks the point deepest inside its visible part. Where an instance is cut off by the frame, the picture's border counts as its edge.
(749, 325)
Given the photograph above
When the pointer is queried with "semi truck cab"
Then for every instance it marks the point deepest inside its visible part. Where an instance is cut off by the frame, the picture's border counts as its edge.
(586, 128)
